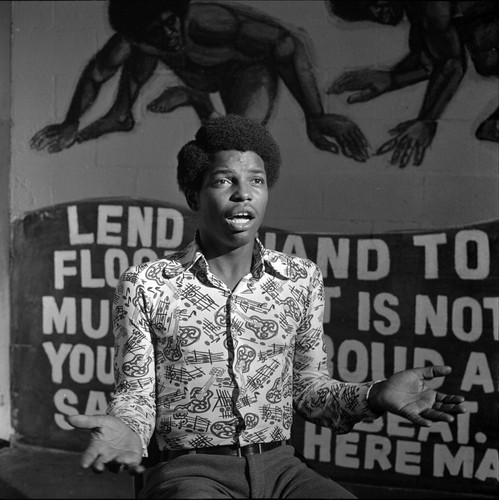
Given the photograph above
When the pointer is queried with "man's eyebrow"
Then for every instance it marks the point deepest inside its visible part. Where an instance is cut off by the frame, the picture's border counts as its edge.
(228, 170)
(219, 171)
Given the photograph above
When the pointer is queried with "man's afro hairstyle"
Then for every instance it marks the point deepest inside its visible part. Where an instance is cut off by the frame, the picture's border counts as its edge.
(225, 133)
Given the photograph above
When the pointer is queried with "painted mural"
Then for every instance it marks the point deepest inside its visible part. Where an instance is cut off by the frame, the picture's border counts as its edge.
(242, 54)
(442, 35)
(395, 299)
(231, 49)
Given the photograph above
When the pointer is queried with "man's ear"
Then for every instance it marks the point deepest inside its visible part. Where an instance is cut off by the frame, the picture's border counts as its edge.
(192, 200)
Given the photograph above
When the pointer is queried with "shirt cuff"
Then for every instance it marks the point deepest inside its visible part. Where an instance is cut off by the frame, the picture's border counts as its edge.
(369, 411)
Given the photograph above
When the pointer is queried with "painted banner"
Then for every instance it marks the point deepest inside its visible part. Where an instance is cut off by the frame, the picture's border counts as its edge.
(393, 301)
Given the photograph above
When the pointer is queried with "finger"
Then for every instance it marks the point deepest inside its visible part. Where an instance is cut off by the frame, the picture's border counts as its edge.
(354, 149)
(449, 399)
(333, 89)
(430, 372)
(135, 469)
(359, 155)
(362, 96)
(40, 134)
(451, 408)
(35, 140)
(54, 148)
(406, 154)
(100, 458)
(45, 135)
(131, 465)
(419, 155)
(89, 458)
(85, 421)
(361, 140)
(387, 146)
(125, 461)
(434, 415)
(325, 145)
(42, 142)
(396, 153)
(98, 465)
(398, 129)
(96, 452)
(345, 150)
(340, 84)
(404, 145)
(418, 419)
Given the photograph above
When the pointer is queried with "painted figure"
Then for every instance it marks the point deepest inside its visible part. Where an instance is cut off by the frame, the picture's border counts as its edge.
(441, 36)
(226, 48)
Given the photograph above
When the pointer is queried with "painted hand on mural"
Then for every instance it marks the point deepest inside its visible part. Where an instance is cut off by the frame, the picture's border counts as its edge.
(441, 37)
(113, 445)
(365, 84)
(347, 134)
(55, 138)
(411, 141)
(407, 394)
(232, 50)
(488, 130)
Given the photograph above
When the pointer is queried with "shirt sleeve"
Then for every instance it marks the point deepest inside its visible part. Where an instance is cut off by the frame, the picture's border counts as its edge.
(134, 369)
(316, 396)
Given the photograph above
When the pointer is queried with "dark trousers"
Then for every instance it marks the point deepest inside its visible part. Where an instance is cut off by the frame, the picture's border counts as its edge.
(277, 473)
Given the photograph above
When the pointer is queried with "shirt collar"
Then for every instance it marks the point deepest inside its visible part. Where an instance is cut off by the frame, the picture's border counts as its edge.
(264, 260)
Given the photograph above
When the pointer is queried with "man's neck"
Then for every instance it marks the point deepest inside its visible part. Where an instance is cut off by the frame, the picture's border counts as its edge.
(231, 266)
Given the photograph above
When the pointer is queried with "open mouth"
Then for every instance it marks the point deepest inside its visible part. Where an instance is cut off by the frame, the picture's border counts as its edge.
(240, 218)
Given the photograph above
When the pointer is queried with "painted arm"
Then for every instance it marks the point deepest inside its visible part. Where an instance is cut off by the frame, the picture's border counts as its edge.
(446, 51)
(367, 83)
(295, 68)
(102, 67)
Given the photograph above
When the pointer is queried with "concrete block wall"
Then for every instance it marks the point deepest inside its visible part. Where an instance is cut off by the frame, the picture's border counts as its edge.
(5, 126)
(318, 191)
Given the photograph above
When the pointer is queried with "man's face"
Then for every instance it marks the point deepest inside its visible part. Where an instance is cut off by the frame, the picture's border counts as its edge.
(385, 12)
(232, 201)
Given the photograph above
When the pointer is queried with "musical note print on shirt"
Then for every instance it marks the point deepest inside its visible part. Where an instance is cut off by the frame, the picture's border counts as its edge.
(204, 365)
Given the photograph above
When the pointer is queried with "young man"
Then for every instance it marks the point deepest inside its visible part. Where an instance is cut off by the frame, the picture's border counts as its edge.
(218, 343)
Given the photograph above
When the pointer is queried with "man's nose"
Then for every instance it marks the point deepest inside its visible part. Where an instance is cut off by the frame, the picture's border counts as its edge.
(242, 191)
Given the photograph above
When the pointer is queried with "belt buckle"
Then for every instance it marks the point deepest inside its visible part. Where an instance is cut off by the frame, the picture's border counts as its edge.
(240, 452)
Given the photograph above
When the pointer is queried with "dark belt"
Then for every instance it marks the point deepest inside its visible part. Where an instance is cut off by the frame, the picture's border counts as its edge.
(233, 449)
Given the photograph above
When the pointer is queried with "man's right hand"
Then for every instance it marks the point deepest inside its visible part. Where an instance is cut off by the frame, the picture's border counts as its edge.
(113, 444)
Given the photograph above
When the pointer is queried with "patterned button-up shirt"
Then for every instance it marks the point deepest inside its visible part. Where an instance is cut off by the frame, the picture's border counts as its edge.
(206, 366)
